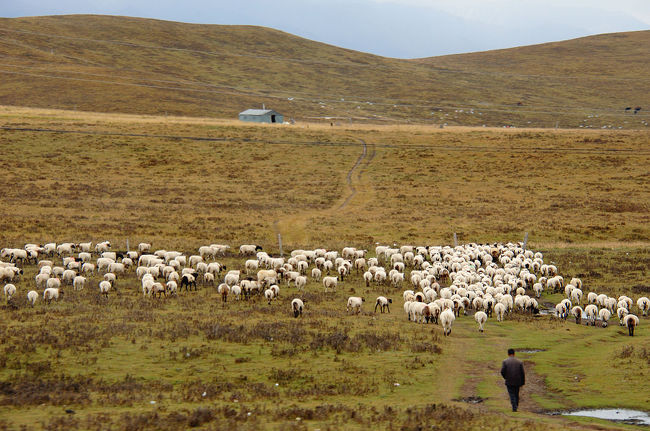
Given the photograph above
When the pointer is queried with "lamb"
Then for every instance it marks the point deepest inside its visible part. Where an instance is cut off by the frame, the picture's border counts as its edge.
(644, 305)
(41, 280)
(144, 247)
(104, 287)
(631, 321)
(10, 291)
(538, 289)
(78, 282)
(111, 278)
(32, 296)
(296, 306)
(330, 283)
(88, 268)
(354, 304)
(52, 293)
(621, 313)
(316, 274)
(223, 290)
(480, 318)
(383, 303)
(446, 320)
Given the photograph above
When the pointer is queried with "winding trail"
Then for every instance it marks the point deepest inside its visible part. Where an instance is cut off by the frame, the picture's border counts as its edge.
(353, 177)
(353, 189)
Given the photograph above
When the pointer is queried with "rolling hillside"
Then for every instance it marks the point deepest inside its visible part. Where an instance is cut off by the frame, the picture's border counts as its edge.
(144, 66)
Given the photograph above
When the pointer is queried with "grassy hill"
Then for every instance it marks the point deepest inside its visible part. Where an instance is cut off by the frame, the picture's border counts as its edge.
(144, 66)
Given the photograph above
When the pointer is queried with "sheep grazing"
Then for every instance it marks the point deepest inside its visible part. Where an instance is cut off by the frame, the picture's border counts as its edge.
(249, 249)
(644, 305)
(383, 303)
(301, 282)
(78, 282)
(604, 315)
(10, 291)
(592, 312)
(480, 318)
(577, 313)
(631, 321)
(188, 281)
(446, 320)
(158, 289)
(269, 294)
(104, 287)
(330, 283)
(354, 304)
(223, 290)
(52, 293)
(296, 306)
(32, 296)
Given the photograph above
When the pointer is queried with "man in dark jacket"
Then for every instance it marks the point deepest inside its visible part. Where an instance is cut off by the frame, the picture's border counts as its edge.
(512, 371)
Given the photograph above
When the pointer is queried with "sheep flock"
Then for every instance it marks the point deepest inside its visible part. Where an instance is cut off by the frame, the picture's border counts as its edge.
(437, 284)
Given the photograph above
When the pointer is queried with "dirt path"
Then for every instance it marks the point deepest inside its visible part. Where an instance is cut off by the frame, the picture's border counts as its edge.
(293, 226)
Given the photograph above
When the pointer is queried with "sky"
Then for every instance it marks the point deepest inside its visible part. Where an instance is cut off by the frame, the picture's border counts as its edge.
(392, 28)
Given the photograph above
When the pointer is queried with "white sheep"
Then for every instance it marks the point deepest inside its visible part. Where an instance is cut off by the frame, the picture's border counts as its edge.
(354, 304)
(32, 296)
(296, 306)
(301, 282)
(53, 283)
(316, 274)
(52, 293)
(236, 290)
(269, 294)
(144, 247)
(644, 305)
(446, 320)
(604, 315)
(330, 283)
(577, 313)
(480, 318)
(172, 287)
(591, 311)
(500, 311)
(10, 291)
(105, 286)
(78, 282)
(383, 303)
(592, 298)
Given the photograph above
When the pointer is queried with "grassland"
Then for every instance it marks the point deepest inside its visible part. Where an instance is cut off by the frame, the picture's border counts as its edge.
(582, 195)
(142, 66)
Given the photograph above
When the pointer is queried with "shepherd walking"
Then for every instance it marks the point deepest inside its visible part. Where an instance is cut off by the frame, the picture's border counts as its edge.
(512, 371)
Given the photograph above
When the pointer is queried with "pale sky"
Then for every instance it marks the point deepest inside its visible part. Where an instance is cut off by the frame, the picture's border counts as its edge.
(393, 28)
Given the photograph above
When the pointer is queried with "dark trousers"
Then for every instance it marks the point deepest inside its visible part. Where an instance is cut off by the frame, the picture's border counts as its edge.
(513, 391)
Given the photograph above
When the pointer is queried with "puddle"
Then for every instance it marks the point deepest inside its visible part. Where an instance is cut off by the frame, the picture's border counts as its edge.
(471, 400)
(633, 417)
(529, 350)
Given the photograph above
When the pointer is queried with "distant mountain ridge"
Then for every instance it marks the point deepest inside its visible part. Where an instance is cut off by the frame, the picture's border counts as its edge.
(136, 65)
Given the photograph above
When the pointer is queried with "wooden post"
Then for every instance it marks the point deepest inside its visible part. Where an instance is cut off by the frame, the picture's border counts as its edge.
(455, 240)
(525, 240)
(127, 245)
(280, 245)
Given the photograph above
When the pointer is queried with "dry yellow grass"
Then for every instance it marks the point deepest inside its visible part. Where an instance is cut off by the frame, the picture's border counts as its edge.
(237, 182)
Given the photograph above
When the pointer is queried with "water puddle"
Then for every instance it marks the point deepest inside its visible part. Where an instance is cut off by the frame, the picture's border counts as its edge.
(633, 417)
(471, 400)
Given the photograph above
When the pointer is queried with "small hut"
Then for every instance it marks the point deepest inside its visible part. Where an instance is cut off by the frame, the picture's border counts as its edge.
(261, 116)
